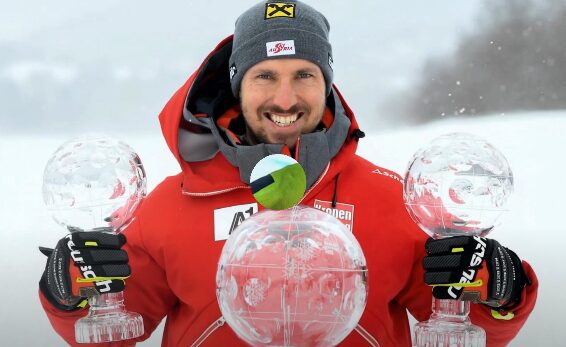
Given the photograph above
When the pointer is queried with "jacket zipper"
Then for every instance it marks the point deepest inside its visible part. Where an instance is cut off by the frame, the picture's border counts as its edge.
(367, 336)
(315, 183)
(208, 331)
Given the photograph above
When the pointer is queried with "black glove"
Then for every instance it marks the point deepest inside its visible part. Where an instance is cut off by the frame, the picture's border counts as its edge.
(475, 269)
(84, 264)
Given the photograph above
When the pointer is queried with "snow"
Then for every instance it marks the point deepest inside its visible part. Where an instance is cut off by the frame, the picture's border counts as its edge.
(532, 142)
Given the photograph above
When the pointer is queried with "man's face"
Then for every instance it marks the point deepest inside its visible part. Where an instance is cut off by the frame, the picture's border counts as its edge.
(282, 99)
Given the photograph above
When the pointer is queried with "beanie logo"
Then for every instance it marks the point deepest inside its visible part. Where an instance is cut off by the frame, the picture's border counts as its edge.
(279, 10)
(276, 48)
(233, 71)
(330, 61)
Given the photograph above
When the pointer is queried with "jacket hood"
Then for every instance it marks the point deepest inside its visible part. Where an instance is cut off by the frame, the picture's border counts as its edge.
(207, 155)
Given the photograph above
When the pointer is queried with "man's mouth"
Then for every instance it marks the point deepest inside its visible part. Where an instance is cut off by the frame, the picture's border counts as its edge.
(283, 120)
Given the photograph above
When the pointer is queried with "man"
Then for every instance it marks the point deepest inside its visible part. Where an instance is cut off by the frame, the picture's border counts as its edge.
(266, 90)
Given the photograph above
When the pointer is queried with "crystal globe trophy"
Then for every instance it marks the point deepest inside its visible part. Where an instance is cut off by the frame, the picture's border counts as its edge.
(95, 183)
(457, 185)
(294, 277)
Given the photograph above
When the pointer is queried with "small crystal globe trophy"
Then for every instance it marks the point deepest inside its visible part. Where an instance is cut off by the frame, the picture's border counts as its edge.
(457, 185)
(294, 277)
(95, 183)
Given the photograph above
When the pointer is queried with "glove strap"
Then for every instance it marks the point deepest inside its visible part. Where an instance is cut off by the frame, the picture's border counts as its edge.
(520, 279)
(53, 301)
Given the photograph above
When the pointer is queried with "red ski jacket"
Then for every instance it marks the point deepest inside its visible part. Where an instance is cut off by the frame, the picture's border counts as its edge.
(173, 250)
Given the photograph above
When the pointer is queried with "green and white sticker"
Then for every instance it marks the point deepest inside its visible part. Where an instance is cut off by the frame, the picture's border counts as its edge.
(278, 182)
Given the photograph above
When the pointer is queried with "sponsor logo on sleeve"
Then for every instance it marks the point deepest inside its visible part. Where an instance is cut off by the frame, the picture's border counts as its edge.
(279, 10)
(227, 219)
(342, 212)
(276, 48)
(390, 174)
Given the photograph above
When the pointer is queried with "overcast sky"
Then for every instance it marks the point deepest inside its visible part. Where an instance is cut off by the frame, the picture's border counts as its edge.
(93, 46)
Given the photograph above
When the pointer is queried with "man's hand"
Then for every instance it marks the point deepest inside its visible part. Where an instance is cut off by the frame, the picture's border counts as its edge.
(475, 269)
(84, 264)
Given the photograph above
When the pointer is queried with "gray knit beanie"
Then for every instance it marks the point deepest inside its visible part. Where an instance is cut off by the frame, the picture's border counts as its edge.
(272, 30)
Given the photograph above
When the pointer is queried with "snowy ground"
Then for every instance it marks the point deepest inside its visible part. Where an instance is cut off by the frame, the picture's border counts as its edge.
(533, 144)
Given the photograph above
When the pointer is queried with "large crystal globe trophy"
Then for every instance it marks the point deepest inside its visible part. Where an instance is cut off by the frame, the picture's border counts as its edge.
(95, 183)
(457, 185)
(294, 277)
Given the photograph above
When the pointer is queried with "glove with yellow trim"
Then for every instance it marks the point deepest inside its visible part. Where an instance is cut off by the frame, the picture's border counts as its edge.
(475, 269)
(84, 264)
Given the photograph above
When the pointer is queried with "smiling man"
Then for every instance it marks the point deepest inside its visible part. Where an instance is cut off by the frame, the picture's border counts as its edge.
(281, 70)
(268, 90)
(282, 99)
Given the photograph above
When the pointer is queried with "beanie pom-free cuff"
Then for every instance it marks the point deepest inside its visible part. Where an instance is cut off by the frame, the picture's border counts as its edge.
(307, 45)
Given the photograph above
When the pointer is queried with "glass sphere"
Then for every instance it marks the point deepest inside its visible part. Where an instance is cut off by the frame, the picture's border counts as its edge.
(458, 184)
(293, 277)
(93, 182)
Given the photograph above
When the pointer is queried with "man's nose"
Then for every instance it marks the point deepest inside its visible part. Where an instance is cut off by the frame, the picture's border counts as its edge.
(285, 95)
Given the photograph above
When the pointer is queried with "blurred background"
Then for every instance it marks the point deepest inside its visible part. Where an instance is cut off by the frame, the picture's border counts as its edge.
(409, 69)
(74, 65)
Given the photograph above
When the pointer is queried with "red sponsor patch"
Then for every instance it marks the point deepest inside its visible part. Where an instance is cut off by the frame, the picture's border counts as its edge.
(342, 212)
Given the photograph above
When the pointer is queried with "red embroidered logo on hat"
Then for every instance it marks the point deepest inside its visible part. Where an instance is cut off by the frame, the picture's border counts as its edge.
(343, 212)
(275, 48)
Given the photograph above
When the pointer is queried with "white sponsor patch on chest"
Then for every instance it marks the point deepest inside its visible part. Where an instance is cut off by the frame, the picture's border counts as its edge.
(228, 218)
(342, 212)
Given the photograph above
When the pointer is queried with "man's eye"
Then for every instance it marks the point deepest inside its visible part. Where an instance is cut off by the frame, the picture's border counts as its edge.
(305, 75)
(264, 76)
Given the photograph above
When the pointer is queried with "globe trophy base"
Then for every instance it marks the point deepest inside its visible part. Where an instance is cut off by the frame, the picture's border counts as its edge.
(441, 333)
(108, 321)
